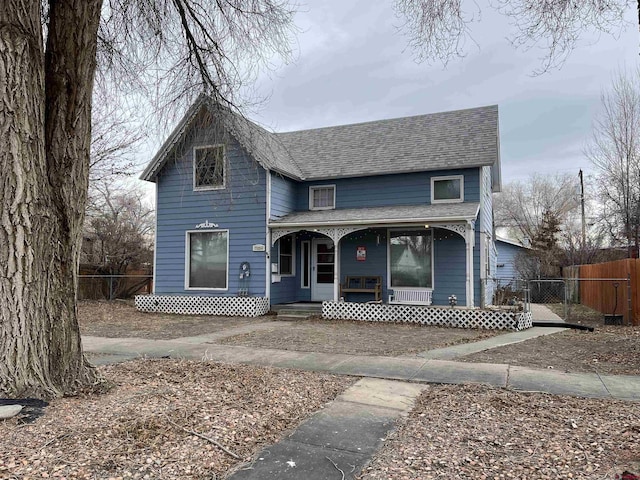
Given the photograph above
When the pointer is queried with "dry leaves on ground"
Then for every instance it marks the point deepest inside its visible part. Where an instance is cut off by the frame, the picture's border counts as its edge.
(155, 423)
(358, 338)
(482, 432)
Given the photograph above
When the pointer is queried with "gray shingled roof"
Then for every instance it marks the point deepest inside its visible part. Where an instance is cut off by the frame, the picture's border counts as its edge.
(380, 215)
(457, 139)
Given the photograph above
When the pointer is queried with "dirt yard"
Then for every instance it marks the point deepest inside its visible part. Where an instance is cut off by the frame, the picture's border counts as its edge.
(478, 432)
(608, 349)
(165, 419)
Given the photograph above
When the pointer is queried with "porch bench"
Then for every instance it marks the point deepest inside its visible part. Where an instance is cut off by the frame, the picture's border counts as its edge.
(410, 296)
(362, 284)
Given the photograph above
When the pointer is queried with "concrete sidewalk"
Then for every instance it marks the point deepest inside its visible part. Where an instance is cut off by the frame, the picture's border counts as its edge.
(339, 440)
(424, 369)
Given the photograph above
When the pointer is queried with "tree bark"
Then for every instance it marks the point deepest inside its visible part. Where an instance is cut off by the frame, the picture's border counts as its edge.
(45, 131)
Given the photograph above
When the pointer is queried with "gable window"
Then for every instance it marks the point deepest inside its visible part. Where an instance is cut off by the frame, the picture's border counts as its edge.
(322, 198)
(410, 259)
(208, 167)
(207, 261)
(285, 261)
(447, 189)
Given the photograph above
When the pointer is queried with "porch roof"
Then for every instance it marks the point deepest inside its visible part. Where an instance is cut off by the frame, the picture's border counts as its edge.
(397, 214)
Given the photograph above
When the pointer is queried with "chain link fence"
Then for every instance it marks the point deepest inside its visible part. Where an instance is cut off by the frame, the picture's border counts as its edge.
(606, 300)
(111, 287)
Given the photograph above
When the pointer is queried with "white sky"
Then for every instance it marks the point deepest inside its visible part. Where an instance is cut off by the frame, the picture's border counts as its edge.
(352, 65)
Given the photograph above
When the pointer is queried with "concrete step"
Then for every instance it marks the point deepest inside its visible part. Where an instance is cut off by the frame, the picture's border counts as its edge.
(296, 315)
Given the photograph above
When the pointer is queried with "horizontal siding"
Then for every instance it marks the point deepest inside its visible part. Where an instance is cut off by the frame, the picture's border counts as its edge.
(507, 254)
(450, 267)
(239, 208)
(283, 196)
(389, 190)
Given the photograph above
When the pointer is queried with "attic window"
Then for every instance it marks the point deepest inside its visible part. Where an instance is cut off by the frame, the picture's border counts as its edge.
(322, 198)
(208, 167)
(447, 189)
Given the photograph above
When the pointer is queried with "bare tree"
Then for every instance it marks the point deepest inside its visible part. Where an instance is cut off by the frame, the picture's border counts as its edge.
(614, 150)
(439, 29)
(525, 208)
(49, 52)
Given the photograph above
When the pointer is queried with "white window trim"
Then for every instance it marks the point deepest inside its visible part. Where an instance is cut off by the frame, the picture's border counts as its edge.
(224, 168)
(448, 177)
(187, 262)
(312, 188)
(433, 269)
(293, 257)
(303, 260)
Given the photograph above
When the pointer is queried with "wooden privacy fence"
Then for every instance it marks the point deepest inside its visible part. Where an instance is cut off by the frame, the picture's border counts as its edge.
(608, 286)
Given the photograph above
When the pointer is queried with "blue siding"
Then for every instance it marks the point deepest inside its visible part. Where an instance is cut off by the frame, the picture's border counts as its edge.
(375, 263)
(283, 196)
(450, 257)
(239, 208)
(388, 190)
(507, 254)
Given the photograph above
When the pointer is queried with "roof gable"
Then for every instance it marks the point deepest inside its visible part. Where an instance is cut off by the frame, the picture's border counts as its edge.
(456, 139)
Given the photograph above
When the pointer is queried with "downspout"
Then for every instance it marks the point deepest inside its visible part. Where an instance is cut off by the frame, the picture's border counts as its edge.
(267, 256)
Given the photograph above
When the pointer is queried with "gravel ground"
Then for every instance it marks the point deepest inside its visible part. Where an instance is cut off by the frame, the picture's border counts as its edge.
(165, 419)
(479, 432)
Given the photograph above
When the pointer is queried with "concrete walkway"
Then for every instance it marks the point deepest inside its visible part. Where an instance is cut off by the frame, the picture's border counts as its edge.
(341, 438)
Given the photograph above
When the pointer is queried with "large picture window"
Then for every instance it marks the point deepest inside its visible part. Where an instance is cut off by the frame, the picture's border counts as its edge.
(410, 259)
(207, 260)
(208, 167)
(447, 189)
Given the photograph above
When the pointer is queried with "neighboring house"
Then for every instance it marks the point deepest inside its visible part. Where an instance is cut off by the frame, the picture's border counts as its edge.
(407, 199)
(508, 251)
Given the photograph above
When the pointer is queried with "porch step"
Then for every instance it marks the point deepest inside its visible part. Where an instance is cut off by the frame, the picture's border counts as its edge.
(298, 314)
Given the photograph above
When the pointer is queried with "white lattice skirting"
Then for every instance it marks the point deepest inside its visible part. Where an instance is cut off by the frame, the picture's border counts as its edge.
(441, 316)
(201, 305)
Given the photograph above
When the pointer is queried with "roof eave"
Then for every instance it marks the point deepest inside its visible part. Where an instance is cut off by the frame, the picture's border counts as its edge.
(376, 223)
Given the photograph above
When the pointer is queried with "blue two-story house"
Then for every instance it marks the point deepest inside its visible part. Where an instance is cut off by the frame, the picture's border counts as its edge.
(243, 213)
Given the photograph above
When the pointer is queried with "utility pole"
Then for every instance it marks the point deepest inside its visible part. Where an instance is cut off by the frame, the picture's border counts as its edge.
(584, 229)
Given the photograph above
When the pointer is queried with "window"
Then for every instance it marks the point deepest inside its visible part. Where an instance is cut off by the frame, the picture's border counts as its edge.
(285, 262)
(208, 167)
(447, 189)
(410, 259)
(322, 198)
(305, 257)
(207, 259)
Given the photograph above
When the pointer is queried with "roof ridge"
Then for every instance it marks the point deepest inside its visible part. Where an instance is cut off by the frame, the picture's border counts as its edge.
(383, 120)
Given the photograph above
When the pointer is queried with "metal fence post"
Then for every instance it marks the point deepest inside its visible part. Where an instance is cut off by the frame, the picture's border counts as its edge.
(629, 303)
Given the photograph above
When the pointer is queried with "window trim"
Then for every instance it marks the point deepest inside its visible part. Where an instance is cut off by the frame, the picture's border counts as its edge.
(293, 256)
(433, 269)
(187, 261)
(447, 200)
(313, 188)
(224, 168)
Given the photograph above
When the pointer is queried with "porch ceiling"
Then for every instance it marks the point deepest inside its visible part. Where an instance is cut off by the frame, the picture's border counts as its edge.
(399, 214)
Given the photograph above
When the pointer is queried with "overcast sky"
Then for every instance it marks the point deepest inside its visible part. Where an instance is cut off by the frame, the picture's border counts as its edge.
(352, 65)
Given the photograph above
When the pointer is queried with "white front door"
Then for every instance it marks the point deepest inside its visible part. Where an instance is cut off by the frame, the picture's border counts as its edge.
(322, 266)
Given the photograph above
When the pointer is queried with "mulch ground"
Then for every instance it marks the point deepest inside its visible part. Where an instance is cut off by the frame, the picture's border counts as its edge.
(165, 419)
(479, 432)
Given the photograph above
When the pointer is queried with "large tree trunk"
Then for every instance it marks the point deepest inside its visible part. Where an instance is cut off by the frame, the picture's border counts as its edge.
(44, 156)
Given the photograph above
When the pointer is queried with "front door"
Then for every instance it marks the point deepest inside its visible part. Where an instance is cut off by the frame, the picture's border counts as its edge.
(322, 266)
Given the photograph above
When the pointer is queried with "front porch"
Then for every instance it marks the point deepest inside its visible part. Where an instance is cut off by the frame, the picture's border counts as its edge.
(422, 263)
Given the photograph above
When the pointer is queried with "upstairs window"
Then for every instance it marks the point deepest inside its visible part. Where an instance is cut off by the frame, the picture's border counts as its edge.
(208, 168)
(447, 189)
(322, 198)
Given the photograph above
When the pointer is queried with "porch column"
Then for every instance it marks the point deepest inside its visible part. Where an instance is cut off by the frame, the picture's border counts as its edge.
(469, 239)
(336, 270)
